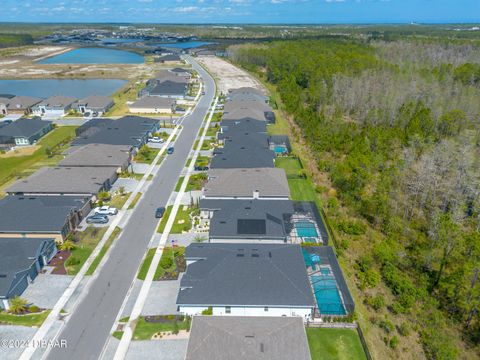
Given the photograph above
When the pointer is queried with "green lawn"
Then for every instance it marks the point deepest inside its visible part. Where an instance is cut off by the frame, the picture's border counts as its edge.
(291, 165)
(142, 273)
(335, 344)
(207, 144)
(301, 188)
(103, 251)
(57, 140)
(179, 183)
(134, 201)
(212, 131)
(117, 201)
(177, 227)
(168, 252)
(197, 181)
(24, 320)
(146, 155)
(202, 161)
(117, 334)
(85, 242)
(145, 330)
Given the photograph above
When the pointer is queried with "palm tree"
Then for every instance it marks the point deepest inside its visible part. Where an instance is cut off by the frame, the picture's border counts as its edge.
(67, 245)
(18, 305)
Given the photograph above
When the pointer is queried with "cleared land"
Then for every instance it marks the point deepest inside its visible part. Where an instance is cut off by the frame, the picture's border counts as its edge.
(227, 75)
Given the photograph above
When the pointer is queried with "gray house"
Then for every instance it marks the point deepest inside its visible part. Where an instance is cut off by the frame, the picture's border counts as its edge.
(24, 131)
(21, 260)
(245, 280)
(22, 104)
(247, 338)
(94, 104)
(41, 216)
(98, 155)
(251, 183)
(73, 181)
(54, 106)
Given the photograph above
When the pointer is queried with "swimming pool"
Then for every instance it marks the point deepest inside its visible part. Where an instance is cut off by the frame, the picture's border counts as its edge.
(306, 229)
(327, 295)
(280, 149)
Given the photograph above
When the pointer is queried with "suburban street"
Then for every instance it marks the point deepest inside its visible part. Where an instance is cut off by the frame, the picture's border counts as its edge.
(88, 329)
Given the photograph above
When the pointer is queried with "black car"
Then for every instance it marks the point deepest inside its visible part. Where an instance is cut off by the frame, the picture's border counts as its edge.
(170, 150)
(97, 219)
(201, 168)
(159, 212)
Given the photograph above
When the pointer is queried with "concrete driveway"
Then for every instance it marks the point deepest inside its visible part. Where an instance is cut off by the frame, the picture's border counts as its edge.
(158, 349)
(46, 289)
(162, 298)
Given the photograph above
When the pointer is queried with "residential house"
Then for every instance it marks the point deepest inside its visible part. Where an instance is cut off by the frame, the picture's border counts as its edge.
(21, 260)
(247, 338)
(54, 106)
(256, 183)
(42, 216)
(94, 104)
(22, 104)
(72, 181)
(182, 72)
(245, 280)
(98, 155)
(24, 131)
(169, 89)
(247, 93)
(168, 59)
(153, 105)
(133, 131)
(266, 221)
(3, 105)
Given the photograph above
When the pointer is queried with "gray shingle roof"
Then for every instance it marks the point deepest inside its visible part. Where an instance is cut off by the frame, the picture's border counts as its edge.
(245, 275)
(241, 113)
(168, 88)
(269, 182)
(24, 127)
(231, 215)
(18, 254)
(22, 102)
(64, 180)
(249, 155)
(96, 102)
(240, 102)
(97, 155)
(37, 214)
(169, 57)
(57, 102)
(247, 338)
(152, 102)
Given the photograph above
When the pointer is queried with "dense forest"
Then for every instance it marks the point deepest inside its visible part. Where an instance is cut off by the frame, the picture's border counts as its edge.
(396, 127)
(8, 40)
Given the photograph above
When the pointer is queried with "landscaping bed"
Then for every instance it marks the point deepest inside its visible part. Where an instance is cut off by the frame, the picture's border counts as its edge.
(171, 264)
(27, 319)
(146, 155)
(159, 326)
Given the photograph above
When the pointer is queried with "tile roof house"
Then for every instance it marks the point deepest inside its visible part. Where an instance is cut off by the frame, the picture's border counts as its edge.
(94, 104)
(256, 183)
(153, 105)
(22, 104)
(82, 181)
(248, 220)
(133, 131)
(24, 131)
(245, 280)
(54, 106)
(41, 216)
(21, 260)
(247, 338)
(98, 155)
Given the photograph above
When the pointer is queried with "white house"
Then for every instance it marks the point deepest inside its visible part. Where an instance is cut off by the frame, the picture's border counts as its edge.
(54, 106)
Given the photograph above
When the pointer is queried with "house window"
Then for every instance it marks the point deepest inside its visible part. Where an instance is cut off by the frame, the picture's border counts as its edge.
(265, 308)
(228, 310)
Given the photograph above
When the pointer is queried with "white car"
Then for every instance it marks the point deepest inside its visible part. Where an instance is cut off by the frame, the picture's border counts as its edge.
(156, 139)
(105, 210)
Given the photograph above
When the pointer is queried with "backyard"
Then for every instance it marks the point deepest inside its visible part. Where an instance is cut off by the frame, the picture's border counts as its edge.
(49, 153)
(335, 344)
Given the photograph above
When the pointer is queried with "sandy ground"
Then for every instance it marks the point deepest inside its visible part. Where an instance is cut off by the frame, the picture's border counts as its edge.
(20, 151)
(227, 75)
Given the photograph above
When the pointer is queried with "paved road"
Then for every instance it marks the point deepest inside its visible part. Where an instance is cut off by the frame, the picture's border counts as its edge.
(88, 329)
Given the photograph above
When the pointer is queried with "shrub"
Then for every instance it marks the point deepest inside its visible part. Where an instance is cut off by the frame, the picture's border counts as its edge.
(33, 309)
(352, 227)
(393, 343)
(166, 261)
(18, 305)
(404, 329)
(386, 325)
(376, 302)
(208, 311)
(67, 245)
(72, 260)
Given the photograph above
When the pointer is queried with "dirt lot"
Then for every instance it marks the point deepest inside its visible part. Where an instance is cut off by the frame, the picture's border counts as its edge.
(227, 75)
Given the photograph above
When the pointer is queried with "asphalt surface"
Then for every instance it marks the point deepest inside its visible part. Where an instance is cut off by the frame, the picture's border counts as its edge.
(89, 327)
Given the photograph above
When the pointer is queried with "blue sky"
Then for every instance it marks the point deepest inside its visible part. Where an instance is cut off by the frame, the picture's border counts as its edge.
(241, 11)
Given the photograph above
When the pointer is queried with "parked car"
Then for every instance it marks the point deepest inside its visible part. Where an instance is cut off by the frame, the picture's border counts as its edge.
(159, 212)
(105, 210)
(201, 168)
(86, 114)
(95, 114)
(156, 139)
(97, 219)
(170, 150)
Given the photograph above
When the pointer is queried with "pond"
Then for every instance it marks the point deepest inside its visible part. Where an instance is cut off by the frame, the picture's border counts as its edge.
(95, 56)
(78, 88)
(186, 44)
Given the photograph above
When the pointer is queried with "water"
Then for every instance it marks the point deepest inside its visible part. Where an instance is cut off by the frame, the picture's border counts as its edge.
(327, 295)
(306, 229)
(120, 40)
(95, 56)
(44, 88)
(186, 44)
(280, 149)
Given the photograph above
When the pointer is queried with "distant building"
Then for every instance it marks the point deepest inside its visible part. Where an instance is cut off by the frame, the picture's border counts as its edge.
(245, 280)
(98, 155)
(168, 59)
(153, 105)
(54, 106)
(247, 338)
(94, 104)
(24, 131)
(21, 260)
(168, 89)
(42, 216)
